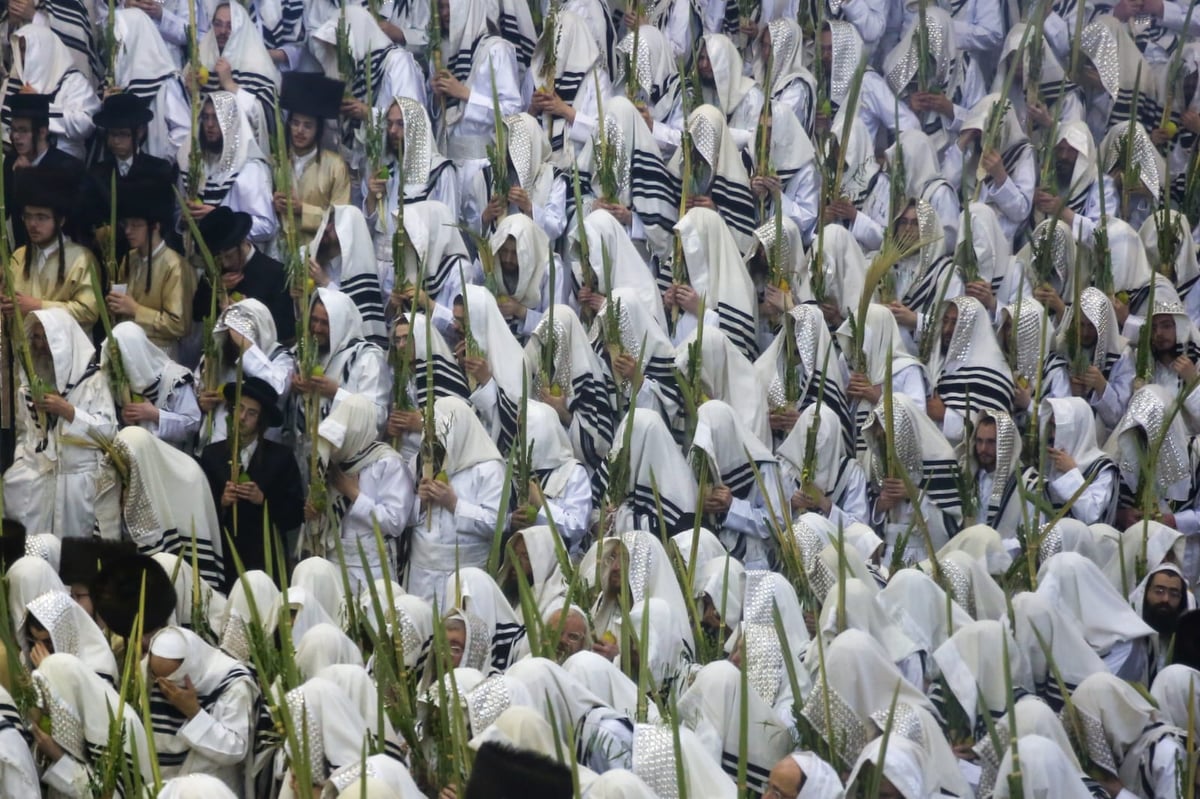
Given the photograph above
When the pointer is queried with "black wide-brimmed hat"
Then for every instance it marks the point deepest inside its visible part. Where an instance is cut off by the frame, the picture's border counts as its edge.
(123, 110)
(261, 392)
(46, 187)
(145, 198)
(117, 592)
(29, 106)
(311, 94)
(223, 229)
(83, 557)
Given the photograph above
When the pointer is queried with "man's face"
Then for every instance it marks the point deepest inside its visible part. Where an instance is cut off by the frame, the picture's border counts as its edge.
(949, 323)
(908, 226)
(40, 224)
(573, 635)
(83, 598)
(826, 49)
(137, 233)
(39, 636)
(249, 412)
(612, 563)
(1162, 335)
(985, 445)
(25, 137)
(1164, 602)
(444, 15)
(711, 618)
(401, 333)
(1089, 76)
(521, 556)
(232, 260)
(395, 128)
(1087, 333)
(456, 641)
(507, 256)
(704, 66)
(303, 130)
(211, 128)
(120, 143)
(318, 325)
(161, 668)
(785, 780)
(1065, 154)
(222, 26)
(37, 339)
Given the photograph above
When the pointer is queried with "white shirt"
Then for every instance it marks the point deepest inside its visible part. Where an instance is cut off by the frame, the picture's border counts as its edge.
(386, 497)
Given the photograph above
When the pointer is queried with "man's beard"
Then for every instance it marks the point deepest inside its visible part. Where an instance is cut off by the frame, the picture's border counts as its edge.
(1162, 618)
(43, 367)
(212, 147)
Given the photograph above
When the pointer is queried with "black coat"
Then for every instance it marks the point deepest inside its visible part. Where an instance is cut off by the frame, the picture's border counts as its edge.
(53, 159)
(273, 468)
(265, 280)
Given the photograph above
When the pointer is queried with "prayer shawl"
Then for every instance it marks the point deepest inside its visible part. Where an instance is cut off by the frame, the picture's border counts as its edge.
(848, 57)
(448, 377)
(645, 340)
(211, 671)
(146, 68)
(1032, 717)
(947, 75)
(1035, 615)
(657, 73)
(81, 707)
(1032, 342)
(789, 75)
(254, 593)
(818, 366)
(656, 466)
(921, 609)
(71, 631)
(972, 374)
(1074, 584)
(1012, 142)
(1108, 46)
(1075, 432)
(973, 669)
(238, 146)
(718, 172)
(735, 456)
(359, 277)
(843, 265)
(437, 246)
(1045, 769)
(833, 456)
(347, 439)
(150, 371)
(727, 375)
(505, 356)
(580, 376)
(474, 591)
(1153, 420)
(360, 687)
(904, 764)
(923, 453)
(333, 730)
(347, 342)
(993, 250)
(530, 155)
(717, 273)
(576, 60)
(1002, 507)
(533, 256)
(47, 63)
(1185, 270)
(1078, 137)
(1144, 157)
(643, 182)
(1054, 85)
(253, 68)
(611, 250)
(656, 763)
(769, 595)
(731, 84)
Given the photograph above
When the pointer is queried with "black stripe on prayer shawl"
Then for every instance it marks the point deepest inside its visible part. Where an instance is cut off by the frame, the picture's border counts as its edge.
(740, 328)
(940, 484)
(14, 88)
(995, 511)
(72, 16)
(258, 85)
(669, 86)
(591, 403)
(290, 29)
(739, 480)
(96, 754)
(568, 84)
(641, 502)
(834, 399)
(165, 719)
(662, 371)
(510, 408)
(212, 568)
(377, 59)
(146, 88)
(650, 179)
(434, 175)
(10, 719)
(511, 32)
(922, 294)
(460, 62)
(366, 293)
(735, 204)
(981, 386)
(504, 642)
(731, 24)
(756, 776)
(448, 380)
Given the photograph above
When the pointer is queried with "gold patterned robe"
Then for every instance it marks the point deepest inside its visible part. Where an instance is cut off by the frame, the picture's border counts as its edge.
(165, 307)
(74, 293)
(325, 181)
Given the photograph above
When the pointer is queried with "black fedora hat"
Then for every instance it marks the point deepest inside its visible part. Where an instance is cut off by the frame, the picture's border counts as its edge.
(223, 229)
(312, 94)
(261, 392)
(83, 557)
(117, 591)
(46, 187)
(145, 198)
(29, 106)
(123, 110)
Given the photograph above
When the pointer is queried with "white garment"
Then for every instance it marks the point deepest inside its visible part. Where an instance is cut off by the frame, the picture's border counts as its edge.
(47, 67)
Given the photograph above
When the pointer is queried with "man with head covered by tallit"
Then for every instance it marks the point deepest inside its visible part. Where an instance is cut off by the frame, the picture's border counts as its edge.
(370, 484)
(162, 399)
(342, 258)
(51, 485)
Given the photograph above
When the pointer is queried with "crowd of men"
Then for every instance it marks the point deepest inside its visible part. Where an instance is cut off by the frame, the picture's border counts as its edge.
(587, 398)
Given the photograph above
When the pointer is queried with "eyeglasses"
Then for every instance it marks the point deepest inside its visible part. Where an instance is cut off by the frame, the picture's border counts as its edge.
(37, 218)
(575, 638)
(1170, 593)
(774, 792)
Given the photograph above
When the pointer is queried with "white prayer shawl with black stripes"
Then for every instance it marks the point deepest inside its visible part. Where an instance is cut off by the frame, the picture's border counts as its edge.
(253, 68)
(718, 172)
(1106, 43)
(475, 590)
(624, 269)
(657, 71)
(644, 339)
(146, 69)
(717, 273)
(505, 358)
(972, 374)
(643, 183)
(359, 277)
(71, 21)
(238, 146)
(151, 371)
(281, 21)
(168, 519)
(924, 453)
(726, 374)
(46, 65)
(437, 246)
(576, 61)
(212, 673)
(791, 81)
(580, 376)
(948, 69)
(658, 476)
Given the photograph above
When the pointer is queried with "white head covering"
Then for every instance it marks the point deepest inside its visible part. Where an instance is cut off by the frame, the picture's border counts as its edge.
(46, 61)
(863, 612)
(723, 581)
(384, 777)
(359, 277)
(474, 591)
(359, 686)
(238, 145)
(70, 347)
(504, 354)
(821, 780)
(325, 645)
(533, 255)
(1186, 269)
(726, 374)
(557, 695)
(732, 84)
(844, 265)
(712, 708)
(717, 273)
(253, 67)
(146, 68)
(604, 680)
(831, 454)
(307, 612)
(905, 766)
(919, 607)
(1074, 429)
(553, 459)
(1033, 615)
(769, 594)
(322, 580)
(252, 319)
(1114, 715)
(654, 760)
(1144, 425)
(238, 617)
(655, 462)
(1045, 770)
(195, 786)
(336, 732)
(993, 249)
(619, 784)
(730, 445)
(1033, 717)
(881, 335)
(972, 663)
(547, 583)
(657, 72)
(1077, 586)
(1173, 688)
(628, 271)
(29, 578)
(973, 368)
(465, 441)
(167, 519)
(80, 705)
(149, 369)
(72, 631)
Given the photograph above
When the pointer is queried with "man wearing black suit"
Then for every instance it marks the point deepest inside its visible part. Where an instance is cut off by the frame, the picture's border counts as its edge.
(245, 270)
(32, 145)
(270, 477)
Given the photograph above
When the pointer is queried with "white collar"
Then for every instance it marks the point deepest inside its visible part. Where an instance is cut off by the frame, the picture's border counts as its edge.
(44, 253)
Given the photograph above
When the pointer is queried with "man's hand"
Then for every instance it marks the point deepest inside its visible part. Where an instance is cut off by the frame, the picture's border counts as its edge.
(477, 369)
(354, 109)
(701, 201)
(891, 494)
(224, 72)
(839, 210)
(993, 163)
(1040, 115)
(766, 186)
(626, 367)
(37, 653)
(208, 400)
(982, 291)
(935, 408)
(1049, 204)
(1047, 296)
(149, 6)
(510, 308)
(777, 300)
(718, 500)
(904, 316)
(783, 420)
(182, 697)
(446, 85)
(121, 304)
(46, 744)
(1184, 367)
(198, 210)
(230, 494)
(520, 198)
(401, 422)
(1094, 379)
(860, 387)
(924, 102)
(279, 200)
(324, 385)
(609, 650)
(250, 492)
(138, 412)
(317, 273)
(522, 517)
(1190, 120)
(550, 103)
(55, 404)
(1060, 460)
(559, 404)
(435, 492)
(496, 208)
(344, 484)
(619, 212)
(688, 300)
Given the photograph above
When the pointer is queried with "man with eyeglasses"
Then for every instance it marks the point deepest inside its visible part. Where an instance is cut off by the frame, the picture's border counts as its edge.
(269, 476)
(32, 145)
(803, 775)
(1165, 599)
(154, 287)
